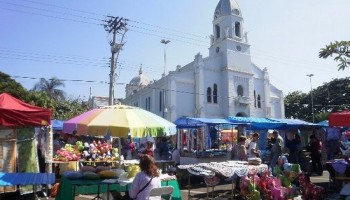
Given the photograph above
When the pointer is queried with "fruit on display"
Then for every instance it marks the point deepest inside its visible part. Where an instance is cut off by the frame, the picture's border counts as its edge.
(67, 153)
(133, 170)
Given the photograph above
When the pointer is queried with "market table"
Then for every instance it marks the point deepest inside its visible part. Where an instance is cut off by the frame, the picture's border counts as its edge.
(339, 171)
(227, 170)
(83, 186)
(11, 179)
(161, 164)
(164, 164)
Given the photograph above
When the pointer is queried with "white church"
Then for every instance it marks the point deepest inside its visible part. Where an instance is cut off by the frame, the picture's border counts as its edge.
(226, 83)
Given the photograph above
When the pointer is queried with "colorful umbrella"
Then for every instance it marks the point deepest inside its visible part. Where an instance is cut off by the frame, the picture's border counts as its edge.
(119, 121)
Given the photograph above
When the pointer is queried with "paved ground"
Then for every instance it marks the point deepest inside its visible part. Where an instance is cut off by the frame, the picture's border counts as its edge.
(199, 191)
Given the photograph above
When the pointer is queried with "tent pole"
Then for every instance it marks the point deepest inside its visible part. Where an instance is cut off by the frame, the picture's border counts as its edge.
(120, 152)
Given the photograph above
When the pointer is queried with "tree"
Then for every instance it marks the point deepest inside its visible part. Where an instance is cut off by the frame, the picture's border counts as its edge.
(329, 97)
(40, 99)
(61, 108)
(10, 86)
(341, 52)
(68, 108)
(296, 106)
(50, 87)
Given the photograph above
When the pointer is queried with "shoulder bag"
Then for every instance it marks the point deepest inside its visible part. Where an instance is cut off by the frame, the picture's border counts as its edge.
(127, 196)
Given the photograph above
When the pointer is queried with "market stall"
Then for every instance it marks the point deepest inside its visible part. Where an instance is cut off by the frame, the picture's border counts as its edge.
(203, 140)
(17, 136)
(115, 121)
(69, 188)
(255, 123)
(214, 172)
(57, 125)
(341, 118)
(119, 121)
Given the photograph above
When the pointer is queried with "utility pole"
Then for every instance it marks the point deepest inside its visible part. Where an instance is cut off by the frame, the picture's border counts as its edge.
(165, 42)
(114, 25)
(312, 98)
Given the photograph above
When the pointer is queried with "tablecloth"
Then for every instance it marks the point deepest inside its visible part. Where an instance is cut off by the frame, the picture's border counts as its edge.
(83, 186)
(338, 167)
(224, 169)
(8, 179)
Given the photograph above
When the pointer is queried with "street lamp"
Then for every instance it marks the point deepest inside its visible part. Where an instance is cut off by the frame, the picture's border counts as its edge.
(165, 42)
(312, 99)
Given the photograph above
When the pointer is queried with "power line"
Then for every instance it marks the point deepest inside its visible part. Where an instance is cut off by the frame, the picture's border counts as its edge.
(62, 7)
(149, 86)
(274, 58)
(161, 29)
(67, 80)
(165, 28)
(50, 16)
(278, 59)
(51, 11)
(173, 39)
(60, 59)
(130, 20)
(172, 35)
(56, 60)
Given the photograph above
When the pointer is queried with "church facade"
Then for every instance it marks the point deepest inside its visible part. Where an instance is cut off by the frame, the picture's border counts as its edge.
(226, 83)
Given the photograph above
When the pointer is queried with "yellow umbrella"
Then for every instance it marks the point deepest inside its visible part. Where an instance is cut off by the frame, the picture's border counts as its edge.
(119, 121)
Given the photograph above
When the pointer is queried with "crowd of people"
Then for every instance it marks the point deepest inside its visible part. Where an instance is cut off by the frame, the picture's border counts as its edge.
(161, 149)
(276, 147)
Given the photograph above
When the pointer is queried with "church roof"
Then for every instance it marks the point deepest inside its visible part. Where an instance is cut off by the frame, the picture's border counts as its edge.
(227, 7)
(140, 80)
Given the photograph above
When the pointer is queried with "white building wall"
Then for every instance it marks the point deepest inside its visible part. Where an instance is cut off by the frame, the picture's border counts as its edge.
(228, 65)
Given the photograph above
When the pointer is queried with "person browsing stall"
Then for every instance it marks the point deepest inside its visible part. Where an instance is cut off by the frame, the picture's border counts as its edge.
(253, 151)
(239, 151)
(145, 180)
(164, 149)
(315, 148)
(148, 149)
(276, 148)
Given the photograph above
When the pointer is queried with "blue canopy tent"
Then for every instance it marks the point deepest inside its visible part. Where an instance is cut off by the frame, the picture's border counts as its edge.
(323, 123)
(206, 140)
(294, 123)
(257, 123)
(189, 122)
(57, 125)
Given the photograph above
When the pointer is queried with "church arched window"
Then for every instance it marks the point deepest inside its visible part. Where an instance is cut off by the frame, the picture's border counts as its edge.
(217, 30)
(254, 98)
(240, 90)
(238, 29)
(160, 101)
(259, 101)
(215, 93)
(209, 95)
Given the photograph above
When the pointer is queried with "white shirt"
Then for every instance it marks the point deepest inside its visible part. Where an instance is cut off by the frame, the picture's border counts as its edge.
(252, 145)
(140, 180)
(175, 156)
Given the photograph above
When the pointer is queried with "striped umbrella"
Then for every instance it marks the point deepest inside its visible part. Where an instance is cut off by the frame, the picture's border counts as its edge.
(119, 121)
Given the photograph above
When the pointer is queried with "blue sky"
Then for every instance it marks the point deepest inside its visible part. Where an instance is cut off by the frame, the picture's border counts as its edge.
(64, 39)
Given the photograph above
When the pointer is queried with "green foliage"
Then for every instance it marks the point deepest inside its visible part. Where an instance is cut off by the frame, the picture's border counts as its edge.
(296, 106)
(10, 86)
(49, 98)
(340, 51)
(68, 108)
(329, 97)
(50, 87)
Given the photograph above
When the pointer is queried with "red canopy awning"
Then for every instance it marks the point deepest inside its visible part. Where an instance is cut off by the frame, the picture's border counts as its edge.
(339, 118)
(14, 112)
